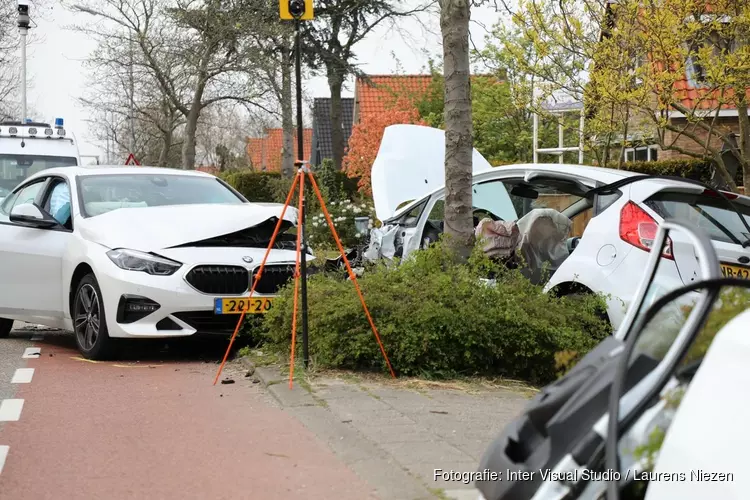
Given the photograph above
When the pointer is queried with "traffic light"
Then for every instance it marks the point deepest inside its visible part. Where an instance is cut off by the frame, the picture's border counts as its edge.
(300, 10)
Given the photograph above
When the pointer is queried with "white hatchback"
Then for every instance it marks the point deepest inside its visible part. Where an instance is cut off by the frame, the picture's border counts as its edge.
(611, 232)
(136, 252)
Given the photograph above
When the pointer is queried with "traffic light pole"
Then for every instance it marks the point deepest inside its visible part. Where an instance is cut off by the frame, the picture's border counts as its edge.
(303, 166)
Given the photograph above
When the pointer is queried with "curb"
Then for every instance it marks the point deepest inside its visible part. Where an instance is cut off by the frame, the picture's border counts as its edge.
(364, 457)
(276, 383)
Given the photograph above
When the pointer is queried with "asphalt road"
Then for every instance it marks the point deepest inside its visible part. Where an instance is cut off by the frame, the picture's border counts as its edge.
(153, 426)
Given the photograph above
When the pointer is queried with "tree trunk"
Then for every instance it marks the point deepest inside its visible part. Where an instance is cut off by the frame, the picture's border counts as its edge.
(743, 143)
(287, 118)
(188, 147)
(335, 83)
(459, 226)
(166, 145)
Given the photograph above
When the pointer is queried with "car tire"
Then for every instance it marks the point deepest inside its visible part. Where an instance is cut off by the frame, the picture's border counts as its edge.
(6, 325)
(90, 322)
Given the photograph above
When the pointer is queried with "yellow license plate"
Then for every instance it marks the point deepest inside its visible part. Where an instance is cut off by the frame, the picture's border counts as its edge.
(735, 271)
(253, 305)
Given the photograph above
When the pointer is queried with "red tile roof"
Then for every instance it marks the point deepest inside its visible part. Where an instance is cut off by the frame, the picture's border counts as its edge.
(386, 91)
(383, 91)
(698, 98)
(265, 152)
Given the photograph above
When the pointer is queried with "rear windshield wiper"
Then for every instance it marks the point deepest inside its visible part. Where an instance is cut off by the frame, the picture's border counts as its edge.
(612, 187)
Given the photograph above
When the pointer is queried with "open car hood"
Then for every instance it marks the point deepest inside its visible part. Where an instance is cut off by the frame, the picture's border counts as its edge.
(150, 229)
(410, 165)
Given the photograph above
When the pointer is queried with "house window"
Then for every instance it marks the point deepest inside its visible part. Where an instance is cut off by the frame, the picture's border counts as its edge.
(642, 153)
(719, 42)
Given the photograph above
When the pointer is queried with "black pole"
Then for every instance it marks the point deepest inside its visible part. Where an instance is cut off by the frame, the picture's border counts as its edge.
(300, 157)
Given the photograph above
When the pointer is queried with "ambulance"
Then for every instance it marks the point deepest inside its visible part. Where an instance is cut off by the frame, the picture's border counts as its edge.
(27, 148)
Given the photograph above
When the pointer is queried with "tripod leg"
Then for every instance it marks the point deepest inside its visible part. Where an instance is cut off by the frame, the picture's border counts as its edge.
(260, 272)
(296, 281)
(349, 270)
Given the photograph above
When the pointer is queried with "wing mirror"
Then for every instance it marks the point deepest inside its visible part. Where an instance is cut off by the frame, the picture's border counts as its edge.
(29, 213)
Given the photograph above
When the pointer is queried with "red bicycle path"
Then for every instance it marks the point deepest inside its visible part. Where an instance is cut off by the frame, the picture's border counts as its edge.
(159, 430)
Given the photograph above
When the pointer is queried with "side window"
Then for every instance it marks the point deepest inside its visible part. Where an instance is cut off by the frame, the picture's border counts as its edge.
(490, 197)
(58, 203)
(25, 195)
(602, 202)
(438, 211)
(410, 218)
(548, 197)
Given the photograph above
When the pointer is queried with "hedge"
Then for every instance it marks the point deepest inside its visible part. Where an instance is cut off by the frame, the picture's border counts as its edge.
(699, 170)
(437, 319)
(272, 187)
(256, 186)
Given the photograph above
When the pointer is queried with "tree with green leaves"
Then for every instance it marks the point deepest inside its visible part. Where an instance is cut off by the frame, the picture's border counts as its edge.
(672, 72)
(501, 117)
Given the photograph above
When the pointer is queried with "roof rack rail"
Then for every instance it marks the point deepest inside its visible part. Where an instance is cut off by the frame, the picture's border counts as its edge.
(27, 124)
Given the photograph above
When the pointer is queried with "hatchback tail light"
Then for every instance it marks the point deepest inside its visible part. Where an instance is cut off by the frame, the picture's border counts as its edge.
(639, 229)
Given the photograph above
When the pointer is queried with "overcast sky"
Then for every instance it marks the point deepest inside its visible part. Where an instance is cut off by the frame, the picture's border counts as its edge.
(57, 74)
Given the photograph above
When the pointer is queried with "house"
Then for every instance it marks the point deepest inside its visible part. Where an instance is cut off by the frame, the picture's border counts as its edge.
(376, 93)
(265, 152)
(694, 108)
(322, 145)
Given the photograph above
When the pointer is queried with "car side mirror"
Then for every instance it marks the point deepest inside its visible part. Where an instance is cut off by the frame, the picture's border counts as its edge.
(28, 213)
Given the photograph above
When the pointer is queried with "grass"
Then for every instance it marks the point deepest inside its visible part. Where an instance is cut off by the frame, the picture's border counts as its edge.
(259, 357)
(314, 376)
(439, 493)
(469, 385)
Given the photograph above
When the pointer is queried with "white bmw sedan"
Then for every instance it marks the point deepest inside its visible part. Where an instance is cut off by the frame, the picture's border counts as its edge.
(136, 252)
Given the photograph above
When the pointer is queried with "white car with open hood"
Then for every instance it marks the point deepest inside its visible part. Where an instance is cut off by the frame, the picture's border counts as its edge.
(136, 252)
(591, 224)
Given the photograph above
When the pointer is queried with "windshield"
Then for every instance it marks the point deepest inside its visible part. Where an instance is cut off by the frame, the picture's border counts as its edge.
(713, 215)
(16, 168)
(104, 193)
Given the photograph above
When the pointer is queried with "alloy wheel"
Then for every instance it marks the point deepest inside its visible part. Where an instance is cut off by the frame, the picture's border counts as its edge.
(87, 317)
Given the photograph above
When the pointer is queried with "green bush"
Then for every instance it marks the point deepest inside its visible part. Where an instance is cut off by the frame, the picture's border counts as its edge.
(437, 319)
(334, 184)
(699, 170)
(271, 187)
(256, 186)
(732, 302)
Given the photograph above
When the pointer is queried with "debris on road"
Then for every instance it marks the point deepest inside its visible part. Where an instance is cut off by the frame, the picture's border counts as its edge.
(227, 381)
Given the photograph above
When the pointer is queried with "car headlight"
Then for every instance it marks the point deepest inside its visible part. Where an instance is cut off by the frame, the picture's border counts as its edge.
(133, 260)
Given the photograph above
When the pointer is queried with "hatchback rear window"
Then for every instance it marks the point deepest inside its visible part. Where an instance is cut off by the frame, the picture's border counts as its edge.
(710, 213)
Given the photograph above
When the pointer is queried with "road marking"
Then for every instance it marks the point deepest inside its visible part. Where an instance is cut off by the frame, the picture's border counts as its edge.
(83, 359)
(22, 376)
(32, 352)
(3, 454)
(37, 337)
(10, 410)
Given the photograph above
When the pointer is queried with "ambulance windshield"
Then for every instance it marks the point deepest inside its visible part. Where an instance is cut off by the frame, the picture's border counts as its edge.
(15, 168)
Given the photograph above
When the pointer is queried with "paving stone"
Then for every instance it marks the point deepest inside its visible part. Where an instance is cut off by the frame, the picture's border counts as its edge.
(395, 438)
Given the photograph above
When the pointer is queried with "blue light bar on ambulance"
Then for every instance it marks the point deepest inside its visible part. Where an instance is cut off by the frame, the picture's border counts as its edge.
(58, 122)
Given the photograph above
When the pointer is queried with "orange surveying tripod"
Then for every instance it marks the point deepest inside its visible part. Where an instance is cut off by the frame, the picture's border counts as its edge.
(299, 180)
